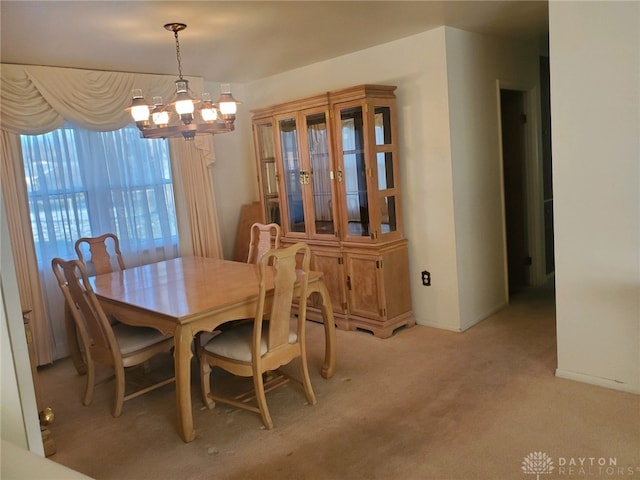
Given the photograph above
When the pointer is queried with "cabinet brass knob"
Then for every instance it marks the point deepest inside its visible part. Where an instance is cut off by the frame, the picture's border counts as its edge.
(304, 177)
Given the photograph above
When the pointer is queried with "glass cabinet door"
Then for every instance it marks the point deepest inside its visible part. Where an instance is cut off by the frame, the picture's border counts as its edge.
(368, 171)
(353, 171)
(293, 176)
(268, 175)
(304, 146)
(320, 188)
(386, 168)
(328, 167)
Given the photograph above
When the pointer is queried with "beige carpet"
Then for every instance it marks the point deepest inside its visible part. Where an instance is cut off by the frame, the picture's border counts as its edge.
(424, 404)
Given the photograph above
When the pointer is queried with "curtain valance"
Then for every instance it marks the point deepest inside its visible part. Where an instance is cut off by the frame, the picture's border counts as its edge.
(37, 99)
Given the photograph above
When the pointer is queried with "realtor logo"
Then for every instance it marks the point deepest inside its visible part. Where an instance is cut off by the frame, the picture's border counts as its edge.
(537, 463)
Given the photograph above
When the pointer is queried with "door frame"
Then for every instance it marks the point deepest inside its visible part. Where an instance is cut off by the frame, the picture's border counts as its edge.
(534, 195)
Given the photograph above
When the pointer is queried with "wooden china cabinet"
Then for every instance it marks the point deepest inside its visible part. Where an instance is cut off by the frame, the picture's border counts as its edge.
(328, 174)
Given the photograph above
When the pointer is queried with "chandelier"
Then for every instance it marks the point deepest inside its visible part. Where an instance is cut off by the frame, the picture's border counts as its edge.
(184, 115)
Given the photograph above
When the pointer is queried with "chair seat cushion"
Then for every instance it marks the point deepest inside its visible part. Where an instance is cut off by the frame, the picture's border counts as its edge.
(235, 343)
(131, 338)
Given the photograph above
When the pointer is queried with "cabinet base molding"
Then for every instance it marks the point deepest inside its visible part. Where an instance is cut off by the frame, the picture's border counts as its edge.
(379, 329)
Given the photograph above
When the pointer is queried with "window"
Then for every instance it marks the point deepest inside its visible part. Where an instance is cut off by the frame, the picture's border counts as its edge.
(85, 183)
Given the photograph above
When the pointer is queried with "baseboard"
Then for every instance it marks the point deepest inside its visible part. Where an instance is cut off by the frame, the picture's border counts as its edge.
(483, 316)
(441, 326)
(466, 326)
(598, 381)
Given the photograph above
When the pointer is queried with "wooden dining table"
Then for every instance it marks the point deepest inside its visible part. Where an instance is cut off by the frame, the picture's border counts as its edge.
(187, 295)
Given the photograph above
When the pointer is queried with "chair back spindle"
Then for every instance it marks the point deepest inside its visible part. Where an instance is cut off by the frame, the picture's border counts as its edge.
(104, 253)
(264, 237)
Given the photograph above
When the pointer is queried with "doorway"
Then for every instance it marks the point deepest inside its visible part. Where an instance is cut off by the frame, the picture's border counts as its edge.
(527, 185)
(514, 120)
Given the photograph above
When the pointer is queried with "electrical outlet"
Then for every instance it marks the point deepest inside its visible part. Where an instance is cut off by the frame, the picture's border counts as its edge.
(426, 278)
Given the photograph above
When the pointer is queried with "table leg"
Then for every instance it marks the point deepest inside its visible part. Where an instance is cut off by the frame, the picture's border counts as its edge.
(183, 338)
(328, 369)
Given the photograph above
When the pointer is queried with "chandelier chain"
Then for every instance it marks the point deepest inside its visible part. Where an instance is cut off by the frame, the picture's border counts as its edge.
(175, 34)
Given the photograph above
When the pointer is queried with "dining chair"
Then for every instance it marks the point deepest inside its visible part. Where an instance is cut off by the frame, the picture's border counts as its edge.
(264, 237)
(272, 340)
(119, 346)
(104, 253)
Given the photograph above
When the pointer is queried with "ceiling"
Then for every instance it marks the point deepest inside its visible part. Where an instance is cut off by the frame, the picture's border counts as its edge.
(237, 41)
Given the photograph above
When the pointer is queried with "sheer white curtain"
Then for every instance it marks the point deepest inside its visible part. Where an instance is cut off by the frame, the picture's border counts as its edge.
(84, 183)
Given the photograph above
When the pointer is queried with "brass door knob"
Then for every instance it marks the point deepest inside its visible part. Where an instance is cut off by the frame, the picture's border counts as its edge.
(46, 417)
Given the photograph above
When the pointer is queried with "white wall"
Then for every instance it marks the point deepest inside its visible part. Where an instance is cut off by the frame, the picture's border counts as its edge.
(18, 408)
(594, 51)
(475, 63)
(234, 177)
